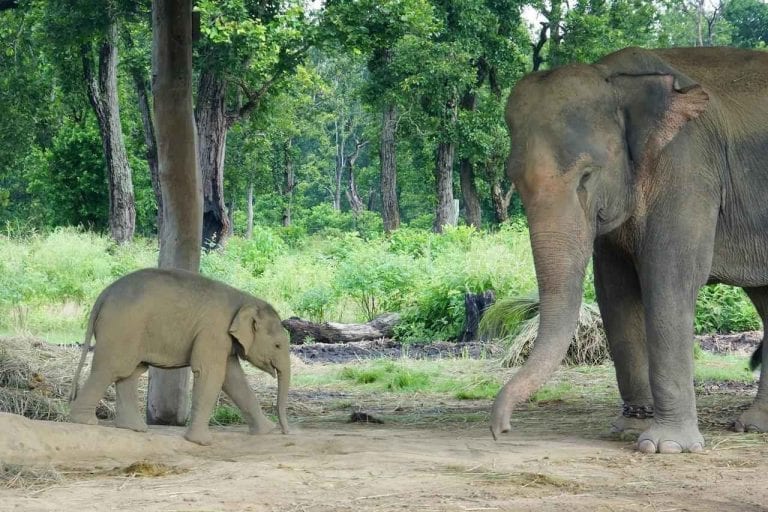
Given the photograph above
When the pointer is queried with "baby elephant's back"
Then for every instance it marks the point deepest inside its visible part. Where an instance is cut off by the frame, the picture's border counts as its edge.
(156, 306)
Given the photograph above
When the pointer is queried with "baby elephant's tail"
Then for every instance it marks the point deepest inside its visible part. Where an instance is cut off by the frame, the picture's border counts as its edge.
(757, 357)
(86, 346)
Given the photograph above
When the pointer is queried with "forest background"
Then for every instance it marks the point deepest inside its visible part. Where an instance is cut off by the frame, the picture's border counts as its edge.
(352, 152)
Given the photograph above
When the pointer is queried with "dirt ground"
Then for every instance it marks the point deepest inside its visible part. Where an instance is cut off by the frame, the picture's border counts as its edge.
(426, 456)
(431, 453)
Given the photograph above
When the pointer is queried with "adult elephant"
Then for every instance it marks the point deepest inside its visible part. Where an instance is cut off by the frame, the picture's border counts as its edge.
(654, 162)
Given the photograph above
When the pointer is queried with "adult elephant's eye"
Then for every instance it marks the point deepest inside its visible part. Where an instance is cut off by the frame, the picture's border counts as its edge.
(584, 179)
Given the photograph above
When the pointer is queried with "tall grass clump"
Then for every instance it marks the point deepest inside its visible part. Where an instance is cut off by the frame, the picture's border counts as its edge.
(515, 320)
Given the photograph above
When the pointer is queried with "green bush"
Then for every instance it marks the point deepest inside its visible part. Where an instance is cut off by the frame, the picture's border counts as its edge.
(724, 309)
(378, 281)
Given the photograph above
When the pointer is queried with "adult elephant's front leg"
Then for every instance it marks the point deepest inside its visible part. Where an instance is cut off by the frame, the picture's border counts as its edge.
(621, 307)
(670, 281)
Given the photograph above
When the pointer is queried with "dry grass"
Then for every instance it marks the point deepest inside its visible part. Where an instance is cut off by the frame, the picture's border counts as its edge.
(515, 321)
(14, 476)
(35, 379)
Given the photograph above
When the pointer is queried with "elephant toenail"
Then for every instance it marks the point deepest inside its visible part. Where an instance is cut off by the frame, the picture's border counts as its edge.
(696, 448)
(670, 447)
(646, 446)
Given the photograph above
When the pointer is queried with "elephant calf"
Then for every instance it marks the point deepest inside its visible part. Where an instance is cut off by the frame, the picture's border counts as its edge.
(172, 319)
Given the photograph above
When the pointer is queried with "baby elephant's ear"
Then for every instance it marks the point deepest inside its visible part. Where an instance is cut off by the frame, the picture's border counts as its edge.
(243, 327)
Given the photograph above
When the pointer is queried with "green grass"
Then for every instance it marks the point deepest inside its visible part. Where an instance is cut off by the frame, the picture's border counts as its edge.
(49, 281)
(722, 368)
(226, 415)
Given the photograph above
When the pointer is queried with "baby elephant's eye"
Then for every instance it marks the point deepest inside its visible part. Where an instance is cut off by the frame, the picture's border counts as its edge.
(277, 345)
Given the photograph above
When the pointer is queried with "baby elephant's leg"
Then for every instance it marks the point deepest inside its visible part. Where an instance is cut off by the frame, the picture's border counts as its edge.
(236, 386)
(83, 408)
(209, 377)
(128, 414)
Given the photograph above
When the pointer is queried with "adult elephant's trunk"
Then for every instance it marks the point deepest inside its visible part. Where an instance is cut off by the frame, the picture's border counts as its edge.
(560, 260)
(283, 384)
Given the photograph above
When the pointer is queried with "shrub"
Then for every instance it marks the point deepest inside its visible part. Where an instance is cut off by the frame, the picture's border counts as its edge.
(724, 309)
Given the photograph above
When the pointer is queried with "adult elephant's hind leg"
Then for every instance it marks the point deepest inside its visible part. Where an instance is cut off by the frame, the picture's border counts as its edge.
(621, 307)
(755, 419)
(128, 415)
(236, 386)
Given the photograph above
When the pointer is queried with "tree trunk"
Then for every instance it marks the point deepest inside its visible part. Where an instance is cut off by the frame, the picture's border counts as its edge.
(444, 214)
(472, 208)
(212, 126)
(390, 212)
(290, 182)
(331, 332)
(501, 201)
(249, 219)
(102, 93)
(145, 109)
(341, 142)
(355, 203)
(475, 305)
(168, 393)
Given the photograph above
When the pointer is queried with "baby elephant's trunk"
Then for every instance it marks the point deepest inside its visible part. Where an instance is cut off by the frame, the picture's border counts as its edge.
(283, 383)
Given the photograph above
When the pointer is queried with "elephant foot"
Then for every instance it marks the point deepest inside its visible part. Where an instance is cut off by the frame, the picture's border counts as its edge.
(754, 419)
(199, 436)
(671, 439)
(84, 418)
(135, 424)
(263, 426)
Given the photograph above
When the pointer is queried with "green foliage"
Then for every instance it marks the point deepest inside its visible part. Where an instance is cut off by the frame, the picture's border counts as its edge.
(314, 303)
(376, 280)
(719, 368)
(257, 252)
(723, 309)
(387, 375)
(226, 415)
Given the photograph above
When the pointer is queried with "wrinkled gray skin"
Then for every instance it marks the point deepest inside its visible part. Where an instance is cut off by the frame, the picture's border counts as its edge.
(175, 318)
(655, 163)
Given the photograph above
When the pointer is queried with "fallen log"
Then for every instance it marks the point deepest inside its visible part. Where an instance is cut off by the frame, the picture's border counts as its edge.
(330, 332)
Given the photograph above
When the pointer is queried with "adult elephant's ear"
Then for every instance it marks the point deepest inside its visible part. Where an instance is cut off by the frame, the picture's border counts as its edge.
(655, 108)
(243, 327)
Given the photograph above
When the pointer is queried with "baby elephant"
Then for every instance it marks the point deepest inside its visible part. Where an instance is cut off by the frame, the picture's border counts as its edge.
(172, 319)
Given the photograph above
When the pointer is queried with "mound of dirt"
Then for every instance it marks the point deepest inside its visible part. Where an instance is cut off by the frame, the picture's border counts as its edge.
(27, 441)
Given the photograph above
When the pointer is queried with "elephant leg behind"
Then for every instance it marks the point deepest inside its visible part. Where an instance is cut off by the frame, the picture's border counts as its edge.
(755, 419)
(237, 388)
(110, 364)
(621, 307)
(128, 414)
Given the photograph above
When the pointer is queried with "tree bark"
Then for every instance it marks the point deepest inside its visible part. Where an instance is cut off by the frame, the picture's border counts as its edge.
(444, 214)
(102, 94)
(212, 126)
(249, 212)
(290, 182)
(390, 211)
(355, 203)
(330, 332)
(501, 201)
(168, 394)
(145, 109)
(472, 208)
(475, 305)
(341, 162)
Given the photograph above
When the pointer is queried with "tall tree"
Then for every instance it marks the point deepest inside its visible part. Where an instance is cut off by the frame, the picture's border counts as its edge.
(89, 30)
(246, 50)
(180, 240)
(374, 29)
